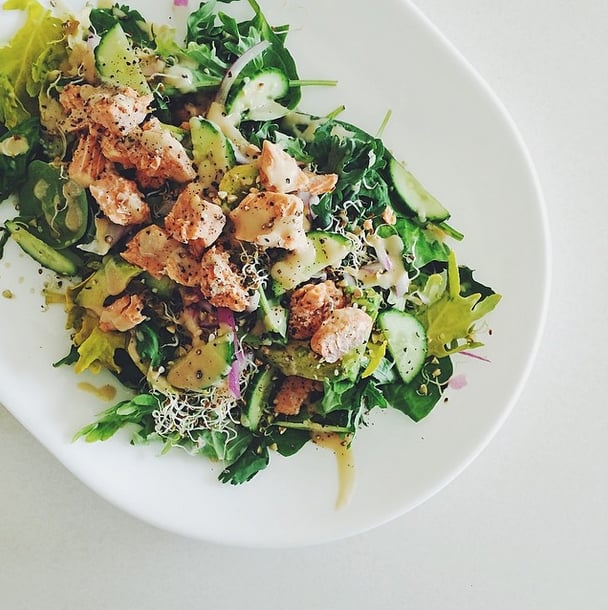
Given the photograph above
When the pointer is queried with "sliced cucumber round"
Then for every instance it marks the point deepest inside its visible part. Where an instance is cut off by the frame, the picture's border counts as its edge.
(117, 62)
(40, 251)
(212, 151)
(257, 399)
(411, 194)
(406, 341)
(323, 250)
(255, 99)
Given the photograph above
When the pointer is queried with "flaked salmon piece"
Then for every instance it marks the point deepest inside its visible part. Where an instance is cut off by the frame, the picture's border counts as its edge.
(292, 394)
(318, 184)
(344, 330)
(310, 306)
(119, 199)
(156, 252)
(183, 268)
(87, 162)
(153, 151)
(150, 249)
(123, 314)
(220, 283)
(270, 220)
(194, 218)
(174, 161)
(119, 110)
(279, 172)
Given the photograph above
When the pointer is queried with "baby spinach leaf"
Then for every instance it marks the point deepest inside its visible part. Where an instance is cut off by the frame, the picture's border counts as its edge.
(288, 441)
(18, 147)
(254, 459)
(418, 398)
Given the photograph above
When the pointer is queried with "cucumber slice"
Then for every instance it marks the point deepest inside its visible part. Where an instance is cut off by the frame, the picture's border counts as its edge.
(204, 365)
(255, 100)
(258, 399)
(238, 181)
(213, 153)
(117, 62)
(407, 341)
(413, 196)
(323, 250)
(273, 315)
(40, 251)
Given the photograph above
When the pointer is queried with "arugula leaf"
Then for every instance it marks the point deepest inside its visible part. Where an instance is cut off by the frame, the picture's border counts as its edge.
(229, 39)
(133, 411)
(131, 21)
(148, 345)
(359, 160)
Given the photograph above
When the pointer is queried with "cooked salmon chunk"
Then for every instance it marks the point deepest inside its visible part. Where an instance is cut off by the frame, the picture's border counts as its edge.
(159, 142)
(87, 162)
(150, 249)
(119, 110)
(270, 220)
(123, 314)
(320, 183)
(194, 218)
(310, 306)
(156, 252)
(344, 330)
(119, 199)
(182, 267)
(292, 395)
(220, 283)
(152, 150)
(279, 172)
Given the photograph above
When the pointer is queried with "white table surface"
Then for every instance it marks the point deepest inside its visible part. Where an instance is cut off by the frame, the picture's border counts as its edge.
(524, 527)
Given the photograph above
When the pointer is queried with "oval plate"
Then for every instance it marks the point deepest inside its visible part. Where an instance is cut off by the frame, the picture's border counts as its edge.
(460, 142)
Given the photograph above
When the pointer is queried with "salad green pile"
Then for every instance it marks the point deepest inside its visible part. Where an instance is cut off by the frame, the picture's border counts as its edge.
(237, 336)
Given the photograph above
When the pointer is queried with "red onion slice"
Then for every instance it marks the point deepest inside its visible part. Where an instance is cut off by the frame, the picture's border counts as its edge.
(235, 69)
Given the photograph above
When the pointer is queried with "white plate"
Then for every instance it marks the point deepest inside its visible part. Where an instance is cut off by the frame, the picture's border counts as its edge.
(458, 139)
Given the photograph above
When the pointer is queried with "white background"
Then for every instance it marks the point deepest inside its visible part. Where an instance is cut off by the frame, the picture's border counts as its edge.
(524, 527)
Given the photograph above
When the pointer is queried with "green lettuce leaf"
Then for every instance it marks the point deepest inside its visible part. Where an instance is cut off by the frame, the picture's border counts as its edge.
(450, 320)
(12, 111)
(18, 57)
(98, 350)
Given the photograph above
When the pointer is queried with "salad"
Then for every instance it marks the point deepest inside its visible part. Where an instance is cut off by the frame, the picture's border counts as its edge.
(257, 276)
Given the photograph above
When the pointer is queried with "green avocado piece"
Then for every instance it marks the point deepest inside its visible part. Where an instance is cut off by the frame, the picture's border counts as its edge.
(296, 358)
